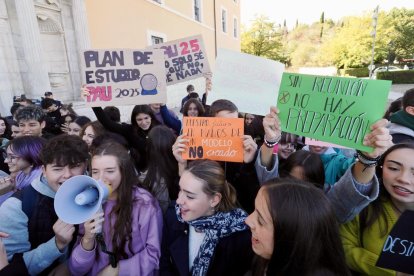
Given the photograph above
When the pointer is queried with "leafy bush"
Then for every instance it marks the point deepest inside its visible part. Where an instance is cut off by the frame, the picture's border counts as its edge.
(403, 76)
(355, 72)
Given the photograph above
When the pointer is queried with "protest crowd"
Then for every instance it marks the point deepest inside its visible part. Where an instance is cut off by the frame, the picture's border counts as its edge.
(270, 204)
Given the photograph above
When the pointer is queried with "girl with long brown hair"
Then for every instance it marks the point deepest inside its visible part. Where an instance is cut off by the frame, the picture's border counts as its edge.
(131, 222)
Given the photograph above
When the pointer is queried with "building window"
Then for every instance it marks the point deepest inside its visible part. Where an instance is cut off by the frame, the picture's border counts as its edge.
(197, 10)
(235, 27)
(156, 40)
(224, 20)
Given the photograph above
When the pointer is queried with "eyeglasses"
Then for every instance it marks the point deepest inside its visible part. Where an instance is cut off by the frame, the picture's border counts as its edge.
(112, 258)
(10, 157)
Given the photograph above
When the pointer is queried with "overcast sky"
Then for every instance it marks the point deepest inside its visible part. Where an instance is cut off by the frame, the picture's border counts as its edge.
(309, 11)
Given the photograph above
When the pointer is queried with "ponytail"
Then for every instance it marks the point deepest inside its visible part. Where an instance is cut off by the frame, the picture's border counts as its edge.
(214, 179)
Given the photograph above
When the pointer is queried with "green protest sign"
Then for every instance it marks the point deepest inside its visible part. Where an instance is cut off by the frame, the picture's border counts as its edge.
(331, 109)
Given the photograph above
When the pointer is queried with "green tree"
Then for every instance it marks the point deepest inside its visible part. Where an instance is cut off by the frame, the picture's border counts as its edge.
(264, 39)
(401, 36)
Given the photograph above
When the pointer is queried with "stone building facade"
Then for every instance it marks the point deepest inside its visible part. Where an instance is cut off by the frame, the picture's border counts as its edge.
(40, 44)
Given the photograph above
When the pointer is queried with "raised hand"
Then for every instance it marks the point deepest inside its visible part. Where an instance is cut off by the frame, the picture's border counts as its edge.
(379, 138)
(6, 185)
(271, 125)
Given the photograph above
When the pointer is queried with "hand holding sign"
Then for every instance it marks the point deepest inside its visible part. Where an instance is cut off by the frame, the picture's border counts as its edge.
(379, 138)
(179, 147)
(271, 125)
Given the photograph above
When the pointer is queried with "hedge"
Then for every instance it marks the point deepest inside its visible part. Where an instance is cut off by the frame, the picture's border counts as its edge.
(403, 76)
(355, 72)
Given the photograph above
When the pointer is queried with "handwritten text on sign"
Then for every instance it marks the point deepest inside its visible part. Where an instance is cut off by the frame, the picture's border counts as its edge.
(185, 59)
(121, 77)
(398, 251)
(331, 109)
(214, 138)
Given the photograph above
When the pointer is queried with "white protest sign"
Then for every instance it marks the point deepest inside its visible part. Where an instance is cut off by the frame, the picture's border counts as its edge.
(124, 77)
(250, 82)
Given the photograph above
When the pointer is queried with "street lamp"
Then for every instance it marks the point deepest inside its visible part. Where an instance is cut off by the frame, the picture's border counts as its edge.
(390, 53)
(373, 34)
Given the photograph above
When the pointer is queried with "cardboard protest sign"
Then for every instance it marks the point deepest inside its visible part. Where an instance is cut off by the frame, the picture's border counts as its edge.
(331, 109)
(214, 138)
(316, 142)
(398, 251)
(124, 77)
(185, 59)
(248, 81)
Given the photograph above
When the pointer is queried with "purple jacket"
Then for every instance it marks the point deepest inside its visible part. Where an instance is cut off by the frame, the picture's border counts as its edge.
(146, 240)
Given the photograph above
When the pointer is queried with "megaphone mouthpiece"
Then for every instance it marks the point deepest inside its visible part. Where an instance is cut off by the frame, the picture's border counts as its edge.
(88, 196)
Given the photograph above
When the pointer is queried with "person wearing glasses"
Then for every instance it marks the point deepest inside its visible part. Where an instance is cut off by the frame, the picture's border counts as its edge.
(22, 158)
(28, 216)
(124, 238)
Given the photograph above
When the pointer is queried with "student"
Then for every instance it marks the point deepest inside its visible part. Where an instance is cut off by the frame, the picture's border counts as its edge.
(65, 121)
(22, 157)
(364, 237)
(132, 222)
(5, 131)
(294, 231)
(189, 89)
(161, 178)
(75, 127)
(49, 95)
(136, 133)
(15, 130)
(32, 121)
(164, 115)
(204, 233)
(242, 175)
(306, 166)
(113, 113)
(402, 121)
(53, 116)
(90, 131)
(29, 216)
(193, 108)
(67, 109)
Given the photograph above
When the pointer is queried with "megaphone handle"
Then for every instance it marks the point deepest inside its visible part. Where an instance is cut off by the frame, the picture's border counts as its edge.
(98, 228)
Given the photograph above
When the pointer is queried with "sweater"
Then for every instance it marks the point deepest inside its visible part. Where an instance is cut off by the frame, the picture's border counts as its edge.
(347, 196)
(15, 222)
(22, 180)
(146, 241)
(362, 259)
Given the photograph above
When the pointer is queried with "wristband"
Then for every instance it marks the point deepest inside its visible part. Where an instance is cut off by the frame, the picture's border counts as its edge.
(270, 144)
(366, 160)
(271, 141)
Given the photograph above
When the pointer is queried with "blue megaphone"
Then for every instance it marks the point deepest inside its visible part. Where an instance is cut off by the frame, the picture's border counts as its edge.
(79, 198)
